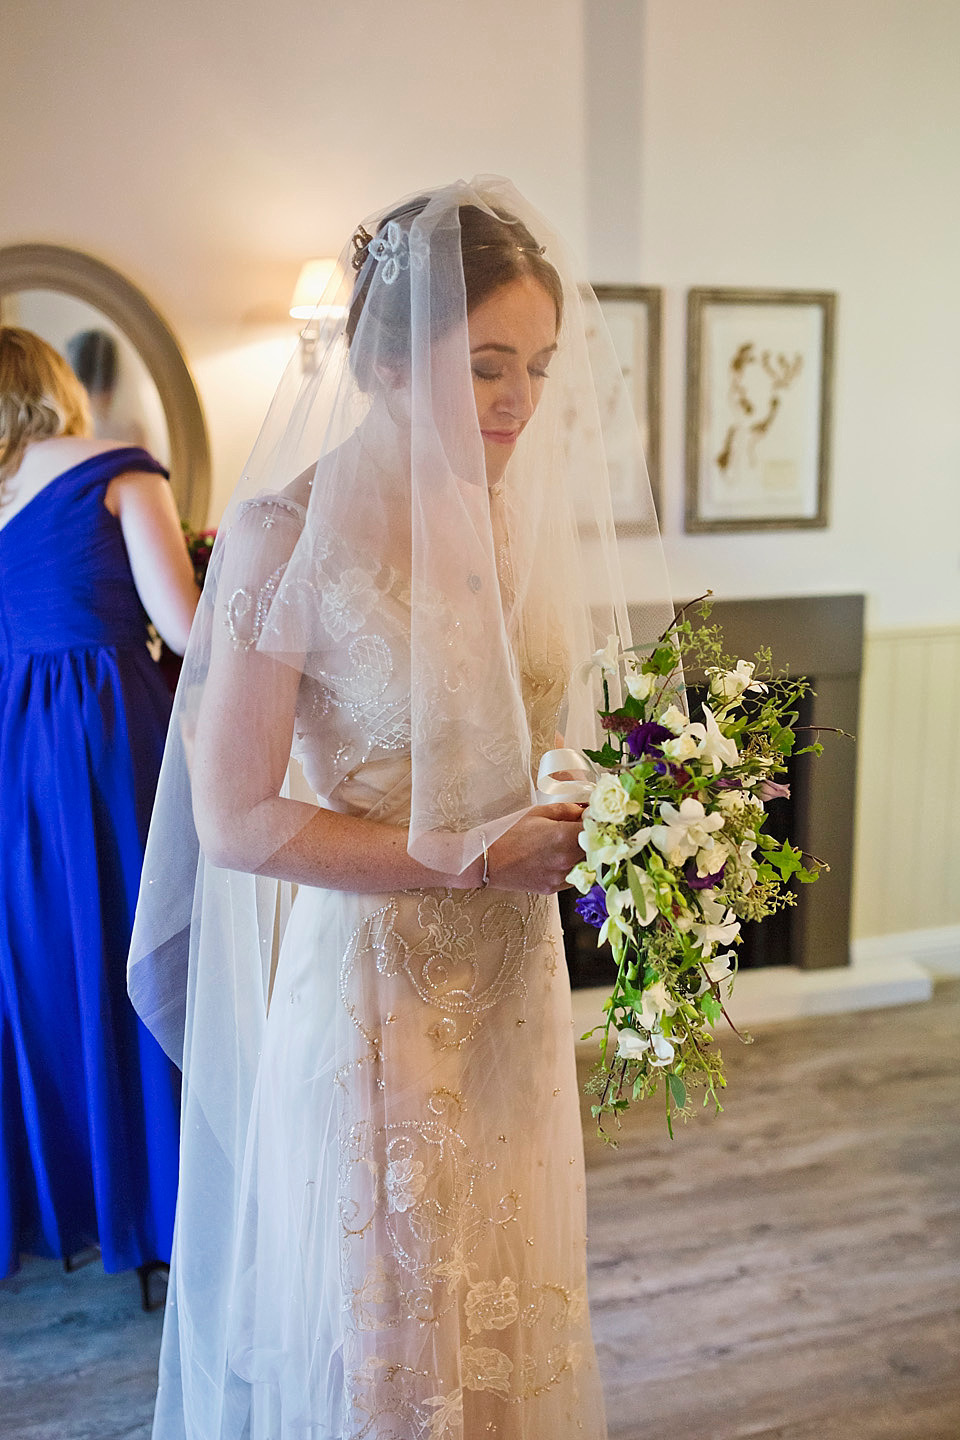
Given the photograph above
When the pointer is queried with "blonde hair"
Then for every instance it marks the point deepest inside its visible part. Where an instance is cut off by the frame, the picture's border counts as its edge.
(39, 397)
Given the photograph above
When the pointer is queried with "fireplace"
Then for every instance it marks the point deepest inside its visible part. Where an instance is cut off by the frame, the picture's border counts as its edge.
(820, 637)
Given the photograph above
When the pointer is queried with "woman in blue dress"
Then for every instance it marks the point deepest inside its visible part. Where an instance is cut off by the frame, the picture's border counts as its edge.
(90, 547)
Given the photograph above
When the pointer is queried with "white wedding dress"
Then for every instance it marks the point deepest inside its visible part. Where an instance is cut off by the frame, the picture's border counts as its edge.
(411, 1235)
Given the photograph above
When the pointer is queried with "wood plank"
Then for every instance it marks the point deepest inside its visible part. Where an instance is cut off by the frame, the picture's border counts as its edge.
(791, 1268)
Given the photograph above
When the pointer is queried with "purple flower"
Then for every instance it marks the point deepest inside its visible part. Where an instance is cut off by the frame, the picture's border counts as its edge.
(646, 738)
(592, 907)
(772, 790)
(702, 882)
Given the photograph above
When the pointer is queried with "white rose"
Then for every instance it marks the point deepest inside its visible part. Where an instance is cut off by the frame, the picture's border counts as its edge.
(673, 719)
(610, 803)
(684, 747)
(639, 684)
(732, 802)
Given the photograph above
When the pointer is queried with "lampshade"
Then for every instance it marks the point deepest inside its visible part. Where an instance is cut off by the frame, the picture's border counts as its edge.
(311, 283)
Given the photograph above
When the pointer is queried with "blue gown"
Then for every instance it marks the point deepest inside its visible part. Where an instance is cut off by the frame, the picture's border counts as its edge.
(89, 1104)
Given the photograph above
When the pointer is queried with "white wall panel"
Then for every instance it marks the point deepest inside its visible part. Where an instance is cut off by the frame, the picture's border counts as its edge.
(907, 871)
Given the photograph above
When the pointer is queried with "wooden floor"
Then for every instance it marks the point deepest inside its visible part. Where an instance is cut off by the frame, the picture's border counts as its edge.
(790, 1270)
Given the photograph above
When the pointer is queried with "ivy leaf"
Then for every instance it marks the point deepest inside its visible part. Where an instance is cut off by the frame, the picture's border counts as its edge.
(787, 860)
(710, 1007)
(782, 738)
(607, 757)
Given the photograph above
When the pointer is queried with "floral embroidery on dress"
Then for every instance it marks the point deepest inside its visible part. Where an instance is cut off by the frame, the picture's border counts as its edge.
(447, 1420)
(485, 1368)
(405, 1183)
(491, 1307)
(436, 940)
(345, 606)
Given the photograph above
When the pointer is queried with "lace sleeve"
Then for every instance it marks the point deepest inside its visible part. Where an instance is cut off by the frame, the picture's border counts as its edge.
(256, 554)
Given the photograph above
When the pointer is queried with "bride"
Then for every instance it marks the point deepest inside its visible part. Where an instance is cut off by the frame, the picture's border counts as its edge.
(357, 958)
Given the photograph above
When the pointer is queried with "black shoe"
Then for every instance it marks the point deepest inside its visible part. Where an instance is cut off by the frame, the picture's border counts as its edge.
(152, 1297)
(79, 1258)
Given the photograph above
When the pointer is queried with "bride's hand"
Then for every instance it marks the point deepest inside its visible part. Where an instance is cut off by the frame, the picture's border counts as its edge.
(539, 851)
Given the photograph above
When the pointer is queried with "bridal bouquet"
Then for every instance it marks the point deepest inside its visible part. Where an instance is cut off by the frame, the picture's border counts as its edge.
(676, 854)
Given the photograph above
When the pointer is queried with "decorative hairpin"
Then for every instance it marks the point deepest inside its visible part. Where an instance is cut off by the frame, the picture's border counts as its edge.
(390, 249)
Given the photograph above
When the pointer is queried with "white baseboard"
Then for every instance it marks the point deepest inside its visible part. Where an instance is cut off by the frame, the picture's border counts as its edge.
(936, 950)
(885, 970)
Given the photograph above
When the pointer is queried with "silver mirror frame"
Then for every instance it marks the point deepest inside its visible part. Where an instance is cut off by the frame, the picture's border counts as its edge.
(54, 267)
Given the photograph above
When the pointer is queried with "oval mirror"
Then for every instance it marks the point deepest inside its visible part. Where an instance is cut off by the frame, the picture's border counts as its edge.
(86, 310)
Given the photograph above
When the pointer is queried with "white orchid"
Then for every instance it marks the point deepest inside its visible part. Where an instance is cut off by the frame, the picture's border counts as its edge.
(654, 1004)
(721, 930)
(684, 831)
(648, 893)
(663, 1049)
(603, 844)
(713, 910)
(608, 658)
(716, 971)
(714, 747)
(620, 907)
(729, 685)
(748, 871)
(631, 1044)
(582, 877)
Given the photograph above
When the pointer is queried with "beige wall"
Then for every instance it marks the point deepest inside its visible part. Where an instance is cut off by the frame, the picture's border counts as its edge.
(818, 145)
(206, 149)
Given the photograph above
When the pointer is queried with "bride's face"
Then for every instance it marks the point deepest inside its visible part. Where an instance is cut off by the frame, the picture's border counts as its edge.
(512, 335)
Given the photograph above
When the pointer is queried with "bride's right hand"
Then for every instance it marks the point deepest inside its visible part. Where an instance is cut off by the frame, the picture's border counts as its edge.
(539, 851)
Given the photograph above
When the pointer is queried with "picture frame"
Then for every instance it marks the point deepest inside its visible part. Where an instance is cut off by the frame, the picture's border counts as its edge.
(758, 409)
(633, 316)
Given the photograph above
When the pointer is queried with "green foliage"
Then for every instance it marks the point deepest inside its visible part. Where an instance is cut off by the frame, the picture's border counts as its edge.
(662, 966)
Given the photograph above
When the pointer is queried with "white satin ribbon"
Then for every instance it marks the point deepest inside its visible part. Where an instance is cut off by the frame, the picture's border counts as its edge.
(551, 791)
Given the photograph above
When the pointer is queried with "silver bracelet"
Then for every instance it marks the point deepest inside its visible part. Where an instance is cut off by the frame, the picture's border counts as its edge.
(485, 877)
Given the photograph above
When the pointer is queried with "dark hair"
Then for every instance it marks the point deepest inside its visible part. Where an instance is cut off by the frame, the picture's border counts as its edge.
(496, 248)
(95, 360)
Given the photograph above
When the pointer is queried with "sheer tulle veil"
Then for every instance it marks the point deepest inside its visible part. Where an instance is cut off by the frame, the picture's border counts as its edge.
(367, 480)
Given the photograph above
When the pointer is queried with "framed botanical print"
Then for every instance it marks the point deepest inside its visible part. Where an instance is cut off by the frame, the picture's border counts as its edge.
(759, 378)
(632, 314)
